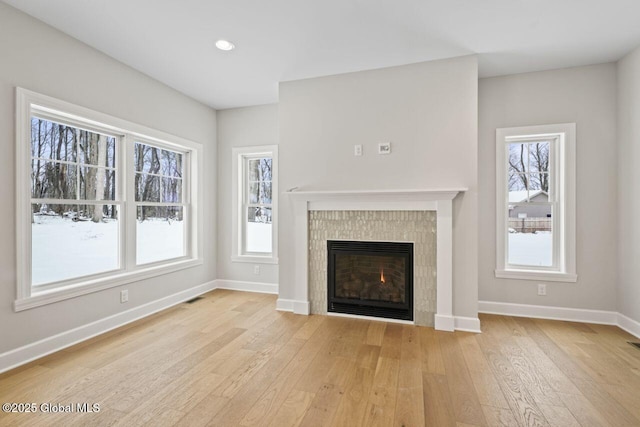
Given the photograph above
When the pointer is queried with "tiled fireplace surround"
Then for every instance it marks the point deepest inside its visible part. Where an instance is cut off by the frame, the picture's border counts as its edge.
(391, 215)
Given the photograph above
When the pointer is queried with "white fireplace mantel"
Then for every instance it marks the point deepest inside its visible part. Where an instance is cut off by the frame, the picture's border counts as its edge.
(439, 200)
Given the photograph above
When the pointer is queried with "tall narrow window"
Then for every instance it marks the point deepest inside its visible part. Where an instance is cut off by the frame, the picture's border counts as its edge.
(255, 189)
(531, 204)
(536, 202)
(257, 208)
(100, 201)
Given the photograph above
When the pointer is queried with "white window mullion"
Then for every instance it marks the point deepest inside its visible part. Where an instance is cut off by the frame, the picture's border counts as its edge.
(128, 230)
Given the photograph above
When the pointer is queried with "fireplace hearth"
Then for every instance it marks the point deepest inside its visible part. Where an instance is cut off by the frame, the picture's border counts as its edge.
(370, 278)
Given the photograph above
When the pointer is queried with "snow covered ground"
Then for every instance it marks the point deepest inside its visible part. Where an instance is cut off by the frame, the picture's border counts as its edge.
(530, 249)
(258, 237)
(159, 239)
(63, 249)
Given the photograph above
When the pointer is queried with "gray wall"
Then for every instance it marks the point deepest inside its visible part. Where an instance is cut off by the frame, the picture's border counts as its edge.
(39, 58)
(429, 113)
(628, 189)
(240, 127)
(586, 96)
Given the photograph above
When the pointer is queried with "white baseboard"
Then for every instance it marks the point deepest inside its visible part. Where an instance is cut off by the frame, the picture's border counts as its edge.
(293, 306)
(546, 312)
(284, 305)
(444, 323)
(238, 285)
(21, 355)
(629, 325)
(561, 313)
(467, 324)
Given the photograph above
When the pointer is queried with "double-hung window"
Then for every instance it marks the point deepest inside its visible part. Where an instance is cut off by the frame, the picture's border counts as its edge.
(255, 204)
(535, 202)
(101, 201)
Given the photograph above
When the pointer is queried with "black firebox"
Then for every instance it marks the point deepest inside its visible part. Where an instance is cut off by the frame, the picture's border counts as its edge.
(370, 278)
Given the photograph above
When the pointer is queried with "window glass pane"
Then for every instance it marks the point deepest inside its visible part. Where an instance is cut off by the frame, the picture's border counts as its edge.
(258, 230)
(94, 148)
(147, 188)
(265, 193)
(160, 233)
(147, 158)
(68, 243)
(260, 193)
(539, 156)
(254, 170)
(265, 169)
(259, 180)
(518, 158)
(528, 172)
(530, 240)
(537, 182)
(53, 180)
(171, 164)
(254, 192)
(172, 190)
(96, 184)
(53, 141)
(259, 170)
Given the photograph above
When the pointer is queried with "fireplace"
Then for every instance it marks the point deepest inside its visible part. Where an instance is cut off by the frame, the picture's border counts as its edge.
(370, 278)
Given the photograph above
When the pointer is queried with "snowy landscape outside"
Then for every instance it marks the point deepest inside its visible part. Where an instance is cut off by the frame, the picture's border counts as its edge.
(533, 249)
(64, 249)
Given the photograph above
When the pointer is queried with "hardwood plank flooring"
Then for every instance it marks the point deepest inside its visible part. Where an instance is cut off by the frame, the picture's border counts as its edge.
(230, 359)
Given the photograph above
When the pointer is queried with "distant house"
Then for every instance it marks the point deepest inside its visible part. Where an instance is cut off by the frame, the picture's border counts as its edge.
(532, 210)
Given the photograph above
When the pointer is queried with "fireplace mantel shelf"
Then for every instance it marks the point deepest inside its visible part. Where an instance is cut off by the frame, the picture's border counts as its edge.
(413, 194)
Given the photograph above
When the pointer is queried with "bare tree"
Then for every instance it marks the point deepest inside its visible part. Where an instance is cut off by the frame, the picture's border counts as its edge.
(529, 166)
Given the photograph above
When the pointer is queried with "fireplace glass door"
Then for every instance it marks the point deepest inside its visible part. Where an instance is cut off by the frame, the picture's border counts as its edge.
(370, 278)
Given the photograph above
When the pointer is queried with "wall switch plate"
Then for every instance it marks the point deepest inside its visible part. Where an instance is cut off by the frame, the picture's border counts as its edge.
(124, 296)
(256, 269)
(357, 150)
(542, 289)
(384, 148)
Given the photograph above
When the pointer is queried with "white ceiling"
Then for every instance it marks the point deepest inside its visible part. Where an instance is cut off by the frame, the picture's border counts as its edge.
(279, 40)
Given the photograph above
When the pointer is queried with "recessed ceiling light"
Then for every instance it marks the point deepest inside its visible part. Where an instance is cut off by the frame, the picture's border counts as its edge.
(225, 45)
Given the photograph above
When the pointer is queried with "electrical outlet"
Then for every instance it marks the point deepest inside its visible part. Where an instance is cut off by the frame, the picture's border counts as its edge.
(124, 296)
(542, 289)
(256, 269)
(357, 150)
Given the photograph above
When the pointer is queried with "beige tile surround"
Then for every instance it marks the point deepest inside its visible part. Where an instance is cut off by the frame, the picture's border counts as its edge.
(418, 227)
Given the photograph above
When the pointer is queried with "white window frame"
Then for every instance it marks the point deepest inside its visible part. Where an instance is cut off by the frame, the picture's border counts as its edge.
(28, 103)
(240, 156)
(562, 197)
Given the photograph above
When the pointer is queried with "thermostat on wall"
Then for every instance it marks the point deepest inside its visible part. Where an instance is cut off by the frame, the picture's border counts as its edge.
(384, 148)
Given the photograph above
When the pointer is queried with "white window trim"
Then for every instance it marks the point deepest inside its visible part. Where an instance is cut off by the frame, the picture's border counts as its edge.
(26, 296)
(239, 154)
(564, 220)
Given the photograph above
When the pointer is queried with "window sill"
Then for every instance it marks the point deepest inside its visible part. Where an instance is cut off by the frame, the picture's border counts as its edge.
(550, 276)
(62, 293)
(255, 259)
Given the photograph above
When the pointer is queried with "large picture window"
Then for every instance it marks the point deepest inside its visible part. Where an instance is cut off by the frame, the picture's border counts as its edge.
(536, 202)
(255, 204)
(101, 201)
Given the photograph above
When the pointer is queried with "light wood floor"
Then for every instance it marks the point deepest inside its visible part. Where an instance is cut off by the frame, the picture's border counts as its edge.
(231, 359)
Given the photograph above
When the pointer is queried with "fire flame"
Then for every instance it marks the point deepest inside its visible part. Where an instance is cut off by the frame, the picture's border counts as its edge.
(382, 275)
